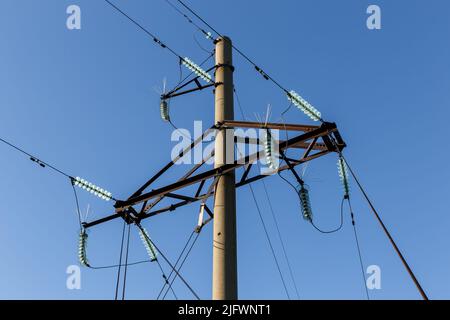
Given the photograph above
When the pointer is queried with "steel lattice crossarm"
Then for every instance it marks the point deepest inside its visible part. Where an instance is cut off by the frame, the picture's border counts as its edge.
(316, 141)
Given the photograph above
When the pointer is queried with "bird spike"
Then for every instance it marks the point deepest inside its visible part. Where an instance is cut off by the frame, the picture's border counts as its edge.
(151, 250)
(304, 105)
(305, 204)
(82, 245)
(343, 174)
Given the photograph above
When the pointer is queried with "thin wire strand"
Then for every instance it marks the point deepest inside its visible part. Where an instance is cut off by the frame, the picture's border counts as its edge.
(281, 240)
(333, 230)
(239, 103)
(284, 122)
(287, 181)
(169, 263)
(198, 43)
(182, 262)
(77, 205)
(113, 266)
(261, 217)
(155, 38)
(176, 263)
(211, 189)
(386, 231)
(42, 163)
(39, 161)
(208, 36)
(165, 279)
(312, 223)
(359, 248)
(177, 273)
(235, 48)
(126, 264)
(198, 17)
(269, 241)
(120, 262)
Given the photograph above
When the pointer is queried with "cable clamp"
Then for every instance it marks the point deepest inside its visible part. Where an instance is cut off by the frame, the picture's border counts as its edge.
(261, 71)
(160, 43)
(220, 65)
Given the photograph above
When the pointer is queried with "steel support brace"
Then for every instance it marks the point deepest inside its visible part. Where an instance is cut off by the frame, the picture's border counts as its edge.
(307, 140)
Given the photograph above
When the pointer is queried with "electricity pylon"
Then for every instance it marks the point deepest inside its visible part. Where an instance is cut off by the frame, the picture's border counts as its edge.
(316, 141)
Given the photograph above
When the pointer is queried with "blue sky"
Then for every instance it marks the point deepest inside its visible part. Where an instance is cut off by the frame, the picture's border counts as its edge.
(84, 101)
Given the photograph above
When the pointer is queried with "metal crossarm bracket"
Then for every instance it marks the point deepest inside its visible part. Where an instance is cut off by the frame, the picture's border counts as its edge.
(308, 138)
(199, 87)
(176, 92)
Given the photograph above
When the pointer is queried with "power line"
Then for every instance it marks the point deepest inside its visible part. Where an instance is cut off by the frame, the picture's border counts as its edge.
(78, 206)
(312, 223)
(176, 263)
(208, 35)
(263, 223)
(120, 261)
(341, 224)
(281, 239)
(35, 159)
(126, 264)
(269, 241)
(120, 265)
(44, 164)
(166, 280)
(168, 262)
(268, 77)
(155, 38)
(207, 194)
(359, 248)
(239, 103)
(301, 103)
(182, 262)
(246, 57)
(200, 18)
(198, 44)
(394, 245)
(339, 228)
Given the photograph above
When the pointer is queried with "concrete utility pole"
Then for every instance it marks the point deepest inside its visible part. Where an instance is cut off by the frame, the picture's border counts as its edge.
(224, 286)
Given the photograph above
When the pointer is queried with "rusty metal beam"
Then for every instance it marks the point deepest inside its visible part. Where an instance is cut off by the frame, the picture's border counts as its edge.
(270, 125)
(324, 130)
(310, 147)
